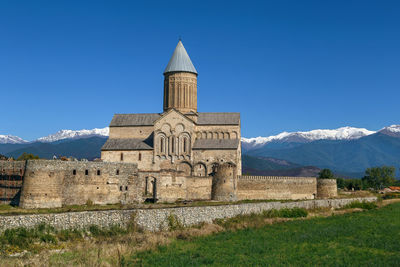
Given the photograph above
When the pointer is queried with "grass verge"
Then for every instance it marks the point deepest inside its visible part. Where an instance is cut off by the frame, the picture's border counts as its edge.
(356, 239)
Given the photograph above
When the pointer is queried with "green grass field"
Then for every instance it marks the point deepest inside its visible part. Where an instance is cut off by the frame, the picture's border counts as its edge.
(369, 238)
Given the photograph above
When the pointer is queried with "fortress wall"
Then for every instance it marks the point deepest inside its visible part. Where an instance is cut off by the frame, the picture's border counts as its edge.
(198, 187)
(11, 179)
(326, 188)
(275, 187)
(49, 183)
(173, 186)
(157, 219)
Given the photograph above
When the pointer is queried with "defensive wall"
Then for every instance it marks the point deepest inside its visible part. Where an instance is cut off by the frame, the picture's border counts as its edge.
(275, 187)
(55, 183)
(157, 219)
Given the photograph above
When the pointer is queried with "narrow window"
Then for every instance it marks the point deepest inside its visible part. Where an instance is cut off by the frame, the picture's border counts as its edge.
(86, 172)
(120, 188)
(74, 172)
(172, 144)
(140, 156)
(122, 156)
(162, 145)
(117, 172)
(184, 145)
(126, 188)
(98, 172)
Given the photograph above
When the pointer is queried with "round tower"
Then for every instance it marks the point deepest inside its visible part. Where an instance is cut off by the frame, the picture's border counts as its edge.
(180, 82)
(326, 188)
(224, 183)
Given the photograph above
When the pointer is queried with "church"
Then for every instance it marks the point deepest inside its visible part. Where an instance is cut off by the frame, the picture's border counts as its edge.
(177, 155)
(179, 139)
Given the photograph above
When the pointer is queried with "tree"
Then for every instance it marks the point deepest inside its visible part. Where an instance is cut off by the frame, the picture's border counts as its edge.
(326, 174)
(378, 177)
(26, 156)
(340, 183)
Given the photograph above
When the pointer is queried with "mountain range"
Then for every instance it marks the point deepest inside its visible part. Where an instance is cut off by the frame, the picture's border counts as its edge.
(348, 151)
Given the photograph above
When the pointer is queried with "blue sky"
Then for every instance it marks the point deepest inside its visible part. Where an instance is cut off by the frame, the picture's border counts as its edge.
(284, 65)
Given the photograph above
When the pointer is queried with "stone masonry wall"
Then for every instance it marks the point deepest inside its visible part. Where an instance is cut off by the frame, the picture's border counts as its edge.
(51, 183)
(271, 187)
(11, 180)
(156, 219)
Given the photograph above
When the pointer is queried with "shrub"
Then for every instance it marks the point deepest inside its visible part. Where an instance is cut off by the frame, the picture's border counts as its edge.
(174, 223)
(391, 195)
(293, 213)
(48, 238)
(66, 235)
(362, 205)
(285, 213)
(89, 202)
(95, 230)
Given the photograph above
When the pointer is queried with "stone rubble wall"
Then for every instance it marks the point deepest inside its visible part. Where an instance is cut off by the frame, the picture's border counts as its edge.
(157, 219)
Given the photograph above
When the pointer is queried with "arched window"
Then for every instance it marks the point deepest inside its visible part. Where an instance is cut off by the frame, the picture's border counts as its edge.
(74, 172)
(140, 156)
(122, 156)
(86, 172)
(117, 172)
(172, 144)
(98, 172)
(162, 145)
(184, 144)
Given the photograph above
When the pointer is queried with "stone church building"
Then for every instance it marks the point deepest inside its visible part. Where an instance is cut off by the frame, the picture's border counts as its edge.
(179, 154)
(180, 139)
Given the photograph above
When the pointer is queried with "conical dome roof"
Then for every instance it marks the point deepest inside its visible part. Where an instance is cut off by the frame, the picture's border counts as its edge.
(180, 61)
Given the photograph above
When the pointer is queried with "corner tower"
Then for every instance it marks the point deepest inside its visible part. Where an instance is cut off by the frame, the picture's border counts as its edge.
(180, 82)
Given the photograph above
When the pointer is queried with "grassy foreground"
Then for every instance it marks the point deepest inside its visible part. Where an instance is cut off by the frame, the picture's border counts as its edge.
(370, 238)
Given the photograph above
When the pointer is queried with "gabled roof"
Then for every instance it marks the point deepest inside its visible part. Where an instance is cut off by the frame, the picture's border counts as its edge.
(216, 144)
(169, 112)
(148, 119)
(221, 118)
(126, 144)
(180, 61)
(144, 119)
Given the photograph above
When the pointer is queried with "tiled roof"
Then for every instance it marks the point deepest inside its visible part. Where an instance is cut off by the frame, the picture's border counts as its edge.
(221, 118)
(126, 144)
(216, 144)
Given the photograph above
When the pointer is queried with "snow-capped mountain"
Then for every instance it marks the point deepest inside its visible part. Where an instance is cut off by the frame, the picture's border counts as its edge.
(343, 133)
(392, 130)
(71, 134)
(11, 139)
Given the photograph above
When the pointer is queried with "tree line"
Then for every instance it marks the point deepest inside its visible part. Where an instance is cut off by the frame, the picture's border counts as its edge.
(374, 178)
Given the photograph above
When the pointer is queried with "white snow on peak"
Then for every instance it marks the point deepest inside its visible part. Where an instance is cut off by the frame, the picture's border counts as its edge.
(343, 133)
(392, 128)
(71, 134)
(11, 139)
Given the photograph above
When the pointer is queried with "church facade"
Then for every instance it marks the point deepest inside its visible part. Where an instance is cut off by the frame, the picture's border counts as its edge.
(180, 139)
